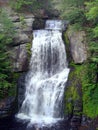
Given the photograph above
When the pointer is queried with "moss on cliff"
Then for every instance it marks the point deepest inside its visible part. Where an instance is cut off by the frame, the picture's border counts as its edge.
(73, 92)
(82, 87)
(80, 78)
(28, 48)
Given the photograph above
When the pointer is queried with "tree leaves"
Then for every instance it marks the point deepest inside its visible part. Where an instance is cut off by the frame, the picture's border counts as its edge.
(6, 36)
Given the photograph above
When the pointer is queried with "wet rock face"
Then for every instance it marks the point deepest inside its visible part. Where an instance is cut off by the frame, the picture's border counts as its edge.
(19, 58)
(88, 123)
(78, 46)
(21, 89)
(23, 36)
(76, 119)
(8, 107)
(38, 24)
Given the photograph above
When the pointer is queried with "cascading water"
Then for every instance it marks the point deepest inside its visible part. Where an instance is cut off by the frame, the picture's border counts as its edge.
(46, 80)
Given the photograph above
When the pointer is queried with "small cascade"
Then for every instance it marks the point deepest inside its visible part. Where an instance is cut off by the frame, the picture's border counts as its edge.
(47, 77)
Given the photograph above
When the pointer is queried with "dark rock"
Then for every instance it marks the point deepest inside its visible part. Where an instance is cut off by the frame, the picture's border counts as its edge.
(19, 58)
(38, 24)
(8, 107)
(21, 89)
(53, 13)
(88, 123)
(77, 117)
(74, 128)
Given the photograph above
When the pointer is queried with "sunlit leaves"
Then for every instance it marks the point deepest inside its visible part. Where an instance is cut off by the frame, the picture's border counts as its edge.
(92, 10)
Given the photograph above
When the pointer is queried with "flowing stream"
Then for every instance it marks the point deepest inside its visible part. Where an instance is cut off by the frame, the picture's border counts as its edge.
(47, 77)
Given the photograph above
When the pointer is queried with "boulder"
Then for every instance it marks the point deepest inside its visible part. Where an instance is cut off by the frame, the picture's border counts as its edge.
(21, 38)
(28, 25)
(19, 58)
(77, 46)
(14, 18)
(27, 16)
(29, 21)
(17, 25)
(21, 89)
(8, 107)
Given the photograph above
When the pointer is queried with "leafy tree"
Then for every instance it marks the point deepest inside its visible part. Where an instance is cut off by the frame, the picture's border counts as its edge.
(6, 36)
(92, 16)
(72, 10)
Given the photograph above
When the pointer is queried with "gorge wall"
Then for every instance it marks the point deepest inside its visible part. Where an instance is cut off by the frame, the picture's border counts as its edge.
(20, 55)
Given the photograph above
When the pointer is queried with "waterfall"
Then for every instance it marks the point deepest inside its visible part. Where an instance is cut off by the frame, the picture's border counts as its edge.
(46, 79)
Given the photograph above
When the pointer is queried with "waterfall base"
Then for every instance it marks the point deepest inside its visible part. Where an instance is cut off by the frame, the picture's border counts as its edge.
(12, 124)
(40, 120)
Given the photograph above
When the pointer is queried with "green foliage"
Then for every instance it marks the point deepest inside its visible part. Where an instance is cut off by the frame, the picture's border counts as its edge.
(92, 16)
(90, 90)
(6, 36)
(84, 14)
(71, 94)
(83, 75)
(73, 11)
(92, 10)
(86, 75)
(24, 5)
(95, 31)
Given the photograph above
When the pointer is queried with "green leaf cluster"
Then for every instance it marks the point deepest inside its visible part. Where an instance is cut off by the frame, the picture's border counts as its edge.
(25, 5)
(72, 10)
(83, 14)
(92, 17)
(6, 36)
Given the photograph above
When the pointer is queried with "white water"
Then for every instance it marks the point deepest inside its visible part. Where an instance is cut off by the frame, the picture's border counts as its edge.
(46, 80)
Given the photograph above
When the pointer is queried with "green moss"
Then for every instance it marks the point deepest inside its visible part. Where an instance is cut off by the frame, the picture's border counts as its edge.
(71, 93)
(84, 75)
(81, 77)
(71, 96)
(66, 38)
(28, 48)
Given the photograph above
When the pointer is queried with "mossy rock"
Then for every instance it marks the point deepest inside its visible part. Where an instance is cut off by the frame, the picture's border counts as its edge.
(73, 93)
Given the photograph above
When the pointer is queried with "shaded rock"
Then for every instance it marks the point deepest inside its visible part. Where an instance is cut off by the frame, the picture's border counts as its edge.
(8, 107)
(28, 25)
(29, 21)
(17, 25)
(15, 18)
(19, 58)
(27, 16)
(77, 46)
(38, 24)
(21, 38)
(53, 13)
(21, 89)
